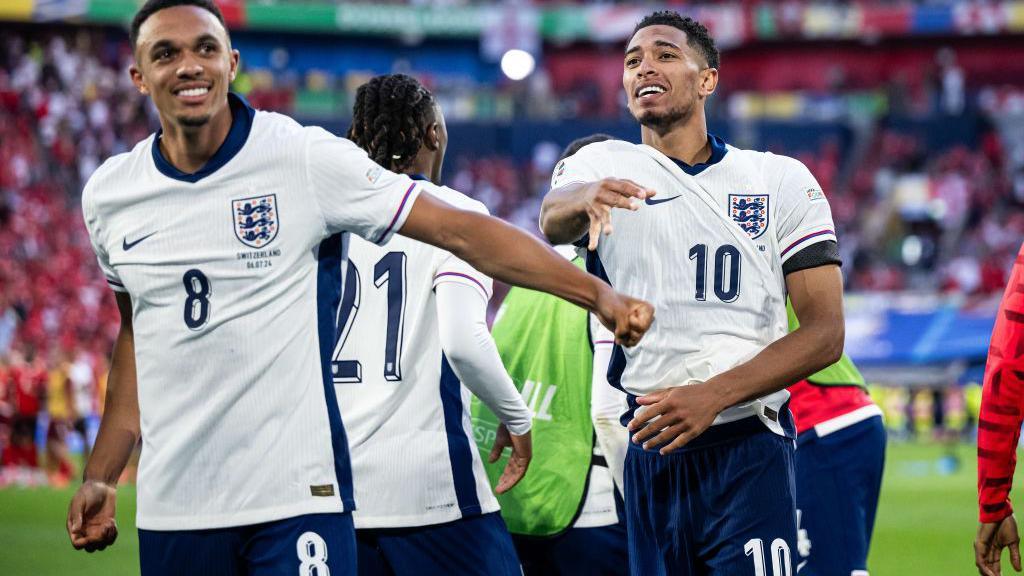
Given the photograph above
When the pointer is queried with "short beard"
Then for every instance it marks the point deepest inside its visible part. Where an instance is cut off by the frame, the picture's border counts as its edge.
(662, 123)
(194, 121)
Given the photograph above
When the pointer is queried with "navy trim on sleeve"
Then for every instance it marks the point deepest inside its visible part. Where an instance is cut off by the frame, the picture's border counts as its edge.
(817, 254)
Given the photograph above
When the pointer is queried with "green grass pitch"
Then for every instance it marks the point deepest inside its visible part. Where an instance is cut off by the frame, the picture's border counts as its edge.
(926, 522)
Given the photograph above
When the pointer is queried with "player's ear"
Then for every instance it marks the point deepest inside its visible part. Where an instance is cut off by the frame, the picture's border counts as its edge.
(708, 81)
(234, 55)
(432, 139)
(137, 79)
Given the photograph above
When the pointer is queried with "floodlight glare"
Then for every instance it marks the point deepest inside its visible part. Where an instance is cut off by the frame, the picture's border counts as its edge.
(517, 64)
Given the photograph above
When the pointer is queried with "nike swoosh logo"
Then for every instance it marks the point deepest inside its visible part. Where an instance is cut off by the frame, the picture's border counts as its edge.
(126, 245)
(800, 565)
(652, 202)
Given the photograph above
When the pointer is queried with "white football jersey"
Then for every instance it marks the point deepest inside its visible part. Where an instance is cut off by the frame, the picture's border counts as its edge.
(405, 411)
(707, 251)
(234, 292)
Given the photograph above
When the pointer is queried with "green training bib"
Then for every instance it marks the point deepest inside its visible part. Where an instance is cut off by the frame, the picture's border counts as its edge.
(545, 346)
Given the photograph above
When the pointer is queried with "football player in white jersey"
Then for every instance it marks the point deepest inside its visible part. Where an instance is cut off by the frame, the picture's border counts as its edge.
(729, 232)
(220, 234)
(413, 326)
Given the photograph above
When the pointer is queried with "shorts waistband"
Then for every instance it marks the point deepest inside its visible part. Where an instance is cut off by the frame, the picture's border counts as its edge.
(718, 434)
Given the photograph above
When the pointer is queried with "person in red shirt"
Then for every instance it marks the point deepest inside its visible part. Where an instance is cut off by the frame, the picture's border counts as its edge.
(1002, 406)
(29, 387)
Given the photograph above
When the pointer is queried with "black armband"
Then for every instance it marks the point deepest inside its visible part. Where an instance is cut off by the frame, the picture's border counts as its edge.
(817, 254)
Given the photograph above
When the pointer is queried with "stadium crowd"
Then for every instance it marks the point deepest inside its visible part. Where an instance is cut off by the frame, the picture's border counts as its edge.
(909, 217)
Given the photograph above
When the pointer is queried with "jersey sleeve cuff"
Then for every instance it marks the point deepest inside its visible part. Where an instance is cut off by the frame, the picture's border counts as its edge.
(805, 239)
(464, 279)
(401, 213)
(520, 428)
(990, 513)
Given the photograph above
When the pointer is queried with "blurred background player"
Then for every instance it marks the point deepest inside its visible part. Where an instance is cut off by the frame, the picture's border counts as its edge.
(412, 344)
(59, 399)
(709, 473)
(840, 455)
(1002, 411)
(565, 516)
(227, 252)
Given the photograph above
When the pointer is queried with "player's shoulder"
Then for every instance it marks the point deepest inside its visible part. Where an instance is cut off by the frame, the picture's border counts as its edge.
(596, 151)
(118, 170)
(275, 125)
(454, 197)
(769, 162)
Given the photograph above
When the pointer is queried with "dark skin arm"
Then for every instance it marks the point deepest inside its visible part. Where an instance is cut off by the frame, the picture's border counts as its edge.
(992, 537)
(572, 210)
(90, 523)
(686, 411)
(510, 255)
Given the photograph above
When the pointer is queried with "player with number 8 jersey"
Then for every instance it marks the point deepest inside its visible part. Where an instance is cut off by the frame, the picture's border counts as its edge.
(223, 235)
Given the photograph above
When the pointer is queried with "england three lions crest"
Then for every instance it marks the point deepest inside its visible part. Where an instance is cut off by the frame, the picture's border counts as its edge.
(750, 211)
(255, 219)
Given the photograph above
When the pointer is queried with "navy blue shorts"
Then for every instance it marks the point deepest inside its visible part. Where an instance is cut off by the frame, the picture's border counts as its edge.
(478, 545)
(721, 508)
(597, 551)
(838, 478)
(313, 544)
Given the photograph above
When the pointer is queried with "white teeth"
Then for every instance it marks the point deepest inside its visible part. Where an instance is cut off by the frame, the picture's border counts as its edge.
(650, 90)
(194, 92)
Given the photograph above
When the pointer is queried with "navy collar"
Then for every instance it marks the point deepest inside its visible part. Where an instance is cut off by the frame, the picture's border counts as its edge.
(718, 151)
(241, 123)
(419, 177)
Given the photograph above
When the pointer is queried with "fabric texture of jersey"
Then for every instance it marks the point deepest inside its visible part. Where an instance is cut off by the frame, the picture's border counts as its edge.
(234, 292)
(1002, 402)
(740, 522)
(405, 411)
(310, 544)
(707, 252)
(838, 480)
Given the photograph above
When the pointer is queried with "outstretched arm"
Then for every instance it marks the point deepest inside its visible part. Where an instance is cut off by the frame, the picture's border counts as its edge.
(506, 253)
(467, 343)
(90, 523)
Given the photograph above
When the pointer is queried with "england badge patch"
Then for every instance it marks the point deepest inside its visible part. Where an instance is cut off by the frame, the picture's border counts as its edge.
(750, 211)
(255, 220)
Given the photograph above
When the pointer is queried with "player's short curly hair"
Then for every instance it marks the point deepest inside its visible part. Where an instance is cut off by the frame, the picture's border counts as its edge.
(579, 143)
(390, 118)
(697, 36)
(153, 6)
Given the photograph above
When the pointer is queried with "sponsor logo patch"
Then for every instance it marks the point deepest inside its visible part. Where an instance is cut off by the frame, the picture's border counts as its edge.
(815, 194)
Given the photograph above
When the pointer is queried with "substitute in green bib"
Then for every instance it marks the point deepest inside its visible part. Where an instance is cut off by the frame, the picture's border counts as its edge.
(564, 515)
